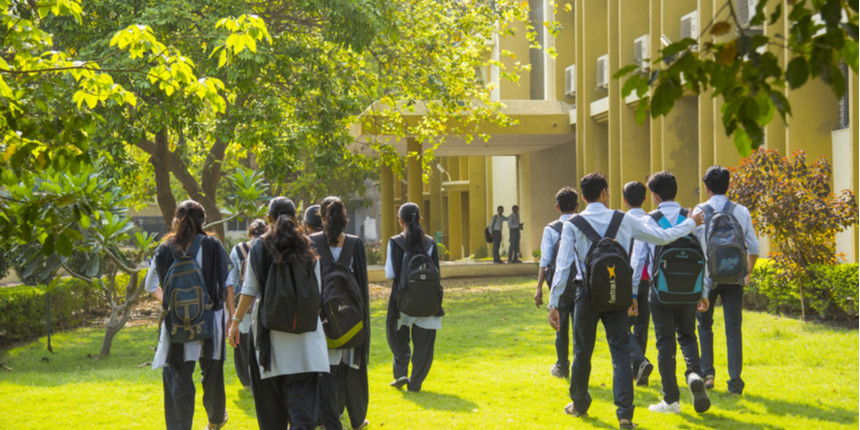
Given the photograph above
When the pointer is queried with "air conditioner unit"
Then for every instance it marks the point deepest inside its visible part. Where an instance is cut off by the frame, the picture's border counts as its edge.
(745, 10)
(570, 81)
(690, 26)
(603, 71)
(641, 52)
(819, 22)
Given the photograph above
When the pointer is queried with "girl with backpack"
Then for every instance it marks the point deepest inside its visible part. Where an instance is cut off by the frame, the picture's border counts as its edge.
(282, 276)
(239, 261)
(190, 267)
(342, 260)
(410, 246)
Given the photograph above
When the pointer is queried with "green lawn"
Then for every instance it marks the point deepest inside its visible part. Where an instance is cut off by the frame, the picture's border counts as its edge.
(491, 371)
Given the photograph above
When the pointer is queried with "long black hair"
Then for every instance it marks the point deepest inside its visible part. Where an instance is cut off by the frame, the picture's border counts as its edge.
(410, 214)
(187, 223)
(285, 239)
(334, 218)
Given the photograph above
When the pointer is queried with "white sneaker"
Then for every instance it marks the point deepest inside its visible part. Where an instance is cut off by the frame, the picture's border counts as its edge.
(666, 408)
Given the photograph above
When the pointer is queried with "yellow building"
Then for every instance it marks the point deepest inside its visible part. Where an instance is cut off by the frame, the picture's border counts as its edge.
(573, 120)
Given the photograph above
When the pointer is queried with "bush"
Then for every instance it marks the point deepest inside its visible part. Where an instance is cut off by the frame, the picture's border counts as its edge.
(481, 253)
(831, 290)
(444, 255)
(374, 254)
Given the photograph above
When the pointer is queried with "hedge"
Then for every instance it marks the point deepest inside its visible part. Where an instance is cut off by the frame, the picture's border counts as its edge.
(831, 292)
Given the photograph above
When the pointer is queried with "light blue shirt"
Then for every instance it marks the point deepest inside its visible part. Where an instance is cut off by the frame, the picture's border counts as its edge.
(671, 210)
(549, 240)
(574, 244)
(640, 254)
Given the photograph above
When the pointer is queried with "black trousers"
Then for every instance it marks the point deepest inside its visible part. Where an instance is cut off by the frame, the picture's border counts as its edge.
(497, 243)
(514, 248)
(241, 360)
(179, 393)
(732, 297)
(344, 388)
(285, 400)
(562, 336)
(671, 321)
(639, 326)
(424, 341)
(584, 335)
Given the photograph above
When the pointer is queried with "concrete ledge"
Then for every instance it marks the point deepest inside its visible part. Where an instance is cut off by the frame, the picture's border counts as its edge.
(463, 270)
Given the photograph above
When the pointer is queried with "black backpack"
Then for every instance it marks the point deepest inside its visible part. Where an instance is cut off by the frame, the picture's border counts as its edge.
(679, 267)
(290, 299)
(342, 301)
(725, 245)
(186, 305)
(419, 289)
(609, 276)
(569, 293)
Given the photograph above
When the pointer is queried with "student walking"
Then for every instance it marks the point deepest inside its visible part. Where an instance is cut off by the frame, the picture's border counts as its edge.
(312, 221)
(566, 201)
(239, 261)
(674, 297)
(731, 250)
(640, 257)
(190, 267)
(497, 223)
(605, 293)
(515, 226)
(290, 346)
(415, 305)
(346, 304)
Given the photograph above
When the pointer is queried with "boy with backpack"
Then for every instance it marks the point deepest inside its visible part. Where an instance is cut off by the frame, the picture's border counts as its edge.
(495, 228)
(594, 248)
(633, 195)
(676, 293)
(566, 201)
(731, 250)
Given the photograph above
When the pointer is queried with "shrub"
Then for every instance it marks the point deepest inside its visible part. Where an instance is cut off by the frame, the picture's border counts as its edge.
(830, 290)
(481, 252)
(444, 255)
(374, 254)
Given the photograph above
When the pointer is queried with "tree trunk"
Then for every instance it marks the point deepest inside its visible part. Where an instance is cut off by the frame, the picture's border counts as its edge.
(164, 194)
(802, 303)
(120, 314)
(110, 332)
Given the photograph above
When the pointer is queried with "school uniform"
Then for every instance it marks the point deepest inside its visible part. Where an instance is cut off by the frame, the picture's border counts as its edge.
(574, 250)
(242, 351)
(671, 321)
(640, 259)
(177, 359)
(732, 298)
(548, 251)
(514, 227)
(401, 327)
(285, 367)
(346, 385)
(496, 225)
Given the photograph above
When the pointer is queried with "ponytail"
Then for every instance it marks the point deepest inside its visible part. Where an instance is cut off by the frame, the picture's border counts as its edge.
(187, 224)
(285, 239)
(334, 219)
(410, 214)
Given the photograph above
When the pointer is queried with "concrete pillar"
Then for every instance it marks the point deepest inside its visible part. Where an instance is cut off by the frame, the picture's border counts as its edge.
(386, 189)
(455, 230)
(434, 212)
(477, 202)
(413, 172)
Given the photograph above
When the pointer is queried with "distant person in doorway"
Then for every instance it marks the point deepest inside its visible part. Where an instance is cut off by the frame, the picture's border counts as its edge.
(496, 226)
(516, 226)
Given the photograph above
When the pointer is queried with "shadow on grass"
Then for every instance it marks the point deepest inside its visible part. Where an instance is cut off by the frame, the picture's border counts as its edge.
(782, 407)
(245, 402)
(440, 401)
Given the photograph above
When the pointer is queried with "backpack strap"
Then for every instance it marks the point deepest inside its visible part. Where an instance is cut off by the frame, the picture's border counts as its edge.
(729, 208)
(347, 250)
(585, 227)
(243, 249)
(684, 213)
(192, 250)
(615, 224)
(556, 225)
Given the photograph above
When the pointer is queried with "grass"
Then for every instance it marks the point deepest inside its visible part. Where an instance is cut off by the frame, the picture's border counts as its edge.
(491, 370)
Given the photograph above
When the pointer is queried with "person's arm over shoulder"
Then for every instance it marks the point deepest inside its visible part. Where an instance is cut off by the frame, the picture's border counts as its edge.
(656, 235)
(564, 259)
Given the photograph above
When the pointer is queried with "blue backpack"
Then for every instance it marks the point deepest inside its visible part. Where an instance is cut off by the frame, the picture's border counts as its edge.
(679, 267)
(187, 306)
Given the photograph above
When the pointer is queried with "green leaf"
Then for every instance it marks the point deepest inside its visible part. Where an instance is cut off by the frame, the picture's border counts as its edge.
(742, 142)
(624, 71)
(797, 72)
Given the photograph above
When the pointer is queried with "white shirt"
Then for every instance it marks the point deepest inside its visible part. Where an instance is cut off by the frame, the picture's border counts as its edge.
(645, 251)
(514, 221)
(741, 214)
(498, 222)
(574, 244)
(547, 243)
(428, 323)
(234, 281)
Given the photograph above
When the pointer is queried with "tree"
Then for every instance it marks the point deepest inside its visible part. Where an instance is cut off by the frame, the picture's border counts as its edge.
(792, 203)
(741, 68)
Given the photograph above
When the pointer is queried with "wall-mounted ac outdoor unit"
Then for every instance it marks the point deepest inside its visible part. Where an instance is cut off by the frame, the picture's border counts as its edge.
(603, 71)
(570, 81)
(745, 10)
(641, 52)
(690, 25)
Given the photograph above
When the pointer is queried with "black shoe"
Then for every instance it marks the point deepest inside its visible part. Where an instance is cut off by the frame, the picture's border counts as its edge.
(701, 402)
(399, 382)
(559, 371)
(643, 373)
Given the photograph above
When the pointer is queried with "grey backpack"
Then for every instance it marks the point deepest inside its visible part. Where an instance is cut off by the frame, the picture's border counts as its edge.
(725, 248)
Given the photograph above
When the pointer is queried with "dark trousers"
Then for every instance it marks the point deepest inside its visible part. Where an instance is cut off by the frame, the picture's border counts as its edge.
(617, 335)
(639, 325)
(497, 243)
(669, 321)
(344, 387)
(514, 248)
(285, 400)
(562, 336)
(240, 359)
(422, 358)
(179, 393)
(732, 297)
